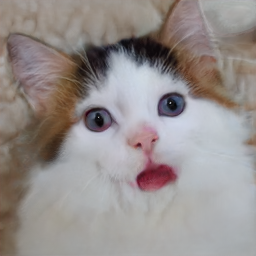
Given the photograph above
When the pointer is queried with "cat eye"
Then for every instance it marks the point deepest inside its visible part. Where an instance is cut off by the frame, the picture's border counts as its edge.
(98, 120)
(171, 105)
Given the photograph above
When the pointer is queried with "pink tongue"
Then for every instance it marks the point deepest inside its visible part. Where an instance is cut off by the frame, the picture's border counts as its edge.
(155, 178)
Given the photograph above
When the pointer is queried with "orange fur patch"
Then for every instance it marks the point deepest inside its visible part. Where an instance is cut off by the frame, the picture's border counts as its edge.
(54, 126)
(205, 81)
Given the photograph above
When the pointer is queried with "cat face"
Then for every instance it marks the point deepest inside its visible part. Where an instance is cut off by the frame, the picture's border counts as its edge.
(142, 129)
(139, 115)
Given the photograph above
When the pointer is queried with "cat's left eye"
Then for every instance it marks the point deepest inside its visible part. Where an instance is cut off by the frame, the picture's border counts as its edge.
(98, 120)
(171, 105)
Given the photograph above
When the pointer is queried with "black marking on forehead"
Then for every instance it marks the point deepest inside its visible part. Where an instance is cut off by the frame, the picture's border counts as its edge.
(141, 50)
(146, 50)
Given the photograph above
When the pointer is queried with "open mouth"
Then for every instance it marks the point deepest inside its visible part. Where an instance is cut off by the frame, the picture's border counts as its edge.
(155, 177)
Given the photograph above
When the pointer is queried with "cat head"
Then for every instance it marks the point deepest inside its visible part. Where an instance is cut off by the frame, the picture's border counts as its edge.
(138, 115)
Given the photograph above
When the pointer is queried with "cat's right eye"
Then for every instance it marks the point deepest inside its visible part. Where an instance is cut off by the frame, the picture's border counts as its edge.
(98, 120)
(171, 104)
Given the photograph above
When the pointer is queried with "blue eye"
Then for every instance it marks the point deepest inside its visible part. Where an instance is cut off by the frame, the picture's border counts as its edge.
(98, 120)
(171, 105)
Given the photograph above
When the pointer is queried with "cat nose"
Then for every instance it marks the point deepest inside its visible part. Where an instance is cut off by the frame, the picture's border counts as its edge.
(144, 139)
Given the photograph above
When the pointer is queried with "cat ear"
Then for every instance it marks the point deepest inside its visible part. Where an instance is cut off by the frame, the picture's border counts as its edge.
(186, 32)
(38, 69)
(185, 28)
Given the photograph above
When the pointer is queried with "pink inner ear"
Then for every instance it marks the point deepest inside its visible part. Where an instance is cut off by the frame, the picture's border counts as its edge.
(185, 29)
(37, 67)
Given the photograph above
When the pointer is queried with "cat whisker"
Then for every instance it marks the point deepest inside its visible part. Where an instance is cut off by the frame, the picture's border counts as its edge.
(65, 197)
(179, 42)
(85, 60)
(105, 178)
(69, 79)
(233, 157)
(90, 181)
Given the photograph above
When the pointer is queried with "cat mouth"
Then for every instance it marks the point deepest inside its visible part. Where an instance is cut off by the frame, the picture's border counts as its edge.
(155, 177)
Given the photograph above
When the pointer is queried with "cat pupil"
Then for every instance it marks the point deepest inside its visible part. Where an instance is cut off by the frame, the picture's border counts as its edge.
(99, 119)
(171, 103)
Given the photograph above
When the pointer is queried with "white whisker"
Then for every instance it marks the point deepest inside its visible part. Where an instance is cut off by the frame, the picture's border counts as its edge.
(66, 196)
(85, 60)
(90, 181)
(180, 41)
(233, 157)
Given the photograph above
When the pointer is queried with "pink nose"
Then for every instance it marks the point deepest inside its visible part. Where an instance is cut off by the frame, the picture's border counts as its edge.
(144, 139)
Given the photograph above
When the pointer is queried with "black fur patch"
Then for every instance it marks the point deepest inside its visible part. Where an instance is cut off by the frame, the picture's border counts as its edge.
(141, 50)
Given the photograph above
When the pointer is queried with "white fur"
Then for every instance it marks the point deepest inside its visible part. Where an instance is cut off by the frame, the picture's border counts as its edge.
(82, 204)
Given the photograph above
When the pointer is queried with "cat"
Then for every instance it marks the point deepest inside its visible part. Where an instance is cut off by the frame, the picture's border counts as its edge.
(67, 25)
(141, 148)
